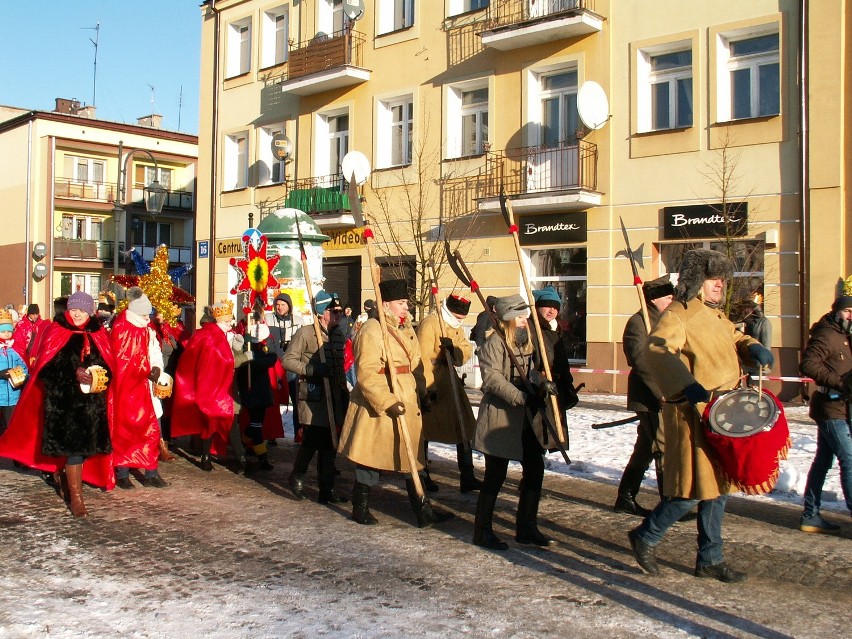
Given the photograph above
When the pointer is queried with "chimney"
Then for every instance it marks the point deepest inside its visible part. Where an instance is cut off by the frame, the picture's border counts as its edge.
(153, 121)
(86, 112)
(73, 107)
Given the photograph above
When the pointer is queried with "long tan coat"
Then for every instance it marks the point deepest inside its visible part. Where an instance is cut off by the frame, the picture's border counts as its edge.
(692, 343)
(441, 423)
(370, 437)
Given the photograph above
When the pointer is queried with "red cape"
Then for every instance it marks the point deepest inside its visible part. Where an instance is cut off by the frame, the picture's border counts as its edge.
(135, 431)
(22, 440)
(202, 395)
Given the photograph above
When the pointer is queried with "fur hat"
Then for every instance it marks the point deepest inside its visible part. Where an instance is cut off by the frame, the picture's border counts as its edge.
(658, 288)
(844, 301)
(458, 305)
(510, 307)
(698, 266)
(547, 296)
(82, 302)
(137, 302)
(392, 290)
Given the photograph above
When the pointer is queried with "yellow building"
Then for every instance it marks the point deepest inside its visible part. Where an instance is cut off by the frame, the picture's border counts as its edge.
(454, 101)
(59, 189)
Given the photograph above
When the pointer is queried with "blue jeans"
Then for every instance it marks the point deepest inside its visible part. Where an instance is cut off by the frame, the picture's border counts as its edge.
(670, 510)
(834, 439)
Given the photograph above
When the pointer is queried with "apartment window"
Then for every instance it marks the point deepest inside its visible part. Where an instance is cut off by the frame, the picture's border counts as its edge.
(457, 7)
(467, 119)
(395, 15)
(239, 48)
(750, 75)
(236, 161)
(559, 118)
(151, 234)
(275, 34)
(73, 282)
(272, 169)
(671, 90)
(86, 170)
(565, 269)
(395, 129)
(163, 176)
(330, 18)
(332, 143)
(82, 227)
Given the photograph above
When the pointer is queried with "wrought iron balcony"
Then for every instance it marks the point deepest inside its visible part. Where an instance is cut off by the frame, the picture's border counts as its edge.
(325, 62)
(512, 24)
(78, 190)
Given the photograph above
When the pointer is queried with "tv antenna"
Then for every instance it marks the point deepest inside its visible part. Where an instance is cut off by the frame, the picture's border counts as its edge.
(97, 30)
(153, 109)
(180, 104)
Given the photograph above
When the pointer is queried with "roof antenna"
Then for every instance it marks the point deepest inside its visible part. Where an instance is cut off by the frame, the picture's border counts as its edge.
(153, 110)
(97, 30)
(180, 105)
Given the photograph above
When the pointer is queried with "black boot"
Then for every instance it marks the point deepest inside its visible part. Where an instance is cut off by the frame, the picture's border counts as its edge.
(297, 485)
(205, 464)
(426, 516)
(483, 533)
(361, 505)
(428, 485)
(628, 488)
(325, 466)
(467, 480)
(526, 522)
(300, 467)
(627, 504)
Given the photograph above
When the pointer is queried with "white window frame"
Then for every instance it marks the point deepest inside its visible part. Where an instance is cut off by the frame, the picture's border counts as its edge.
(163, 175)
(90, 164)
(324, 135)
(646, 78)
(392, 132)
(236, 161)
(89, 282)
(70, 223)
(726, 64)
(536, 94)
(271, 163)
(394, 15)
(458, 7)
(330, 17)
(456, 112)
(238, 47)
(275, 25)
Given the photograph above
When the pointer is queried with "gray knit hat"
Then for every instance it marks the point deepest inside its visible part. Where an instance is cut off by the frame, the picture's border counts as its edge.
(510, 307)
(698, 266)
(138, 302)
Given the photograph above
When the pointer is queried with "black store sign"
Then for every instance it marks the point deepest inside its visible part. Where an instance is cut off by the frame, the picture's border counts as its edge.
(704, 221)
(552, 229)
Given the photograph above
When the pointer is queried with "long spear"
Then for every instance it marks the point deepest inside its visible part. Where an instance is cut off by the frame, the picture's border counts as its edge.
(451, 368)
(506, 207)
(463, 273)
(637, 281)
(326, 383)
(402, 423)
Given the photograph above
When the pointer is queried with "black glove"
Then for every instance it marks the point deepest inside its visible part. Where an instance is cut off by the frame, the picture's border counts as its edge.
(4, 373)
(547, 388)
(448, 346)
(761, 355)
(535, 402)
(396, 410)
(696, 394)
(317, 369)
(155, 374)
(83, 376)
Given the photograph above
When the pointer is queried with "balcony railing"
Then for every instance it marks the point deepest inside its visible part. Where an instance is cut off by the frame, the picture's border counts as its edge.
(177, 254)
(70, 188)
(174, 199)
(538, 169)
(503, 13)
(318, 195)
(341, 48)
(65, 248)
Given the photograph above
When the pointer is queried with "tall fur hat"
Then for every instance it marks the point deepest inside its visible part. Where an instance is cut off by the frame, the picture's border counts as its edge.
(699, 265)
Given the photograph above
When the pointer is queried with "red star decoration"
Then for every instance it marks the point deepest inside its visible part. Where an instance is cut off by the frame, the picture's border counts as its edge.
(256, 271)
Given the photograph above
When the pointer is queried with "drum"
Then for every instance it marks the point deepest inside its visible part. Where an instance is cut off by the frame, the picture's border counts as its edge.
(163, 386)
(17, 377)
(100, 379)
(743, 412)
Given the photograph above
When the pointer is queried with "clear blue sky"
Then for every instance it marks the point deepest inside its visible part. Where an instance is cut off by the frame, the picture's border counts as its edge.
(47, 54)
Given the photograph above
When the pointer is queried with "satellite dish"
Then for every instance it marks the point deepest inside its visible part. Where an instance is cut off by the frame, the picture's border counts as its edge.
(353, 9)
(282, 148)
(592, 105)
(355, 163)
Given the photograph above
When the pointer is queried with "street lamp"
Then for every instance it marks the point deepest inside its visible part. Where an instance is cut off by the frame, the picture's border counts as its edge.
(153, 195)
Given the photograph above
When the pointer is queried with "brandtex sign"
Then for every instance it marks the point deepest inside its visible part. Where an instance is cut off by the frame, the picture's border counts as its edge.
(705, 221)
(552, 229)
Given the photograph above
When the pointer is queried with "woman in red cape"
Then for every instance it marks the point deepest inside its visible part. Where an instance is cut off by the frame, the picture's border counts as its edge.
(56, 426)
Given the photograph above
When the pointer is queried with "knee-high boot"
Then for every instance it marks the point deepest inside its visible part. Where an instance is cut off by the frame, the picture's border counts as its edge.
(526, 523)
(74, 474)
(300, 467)
(628, 488)
(483, 533)
(422, 507)
(361, 505)
(325, 470)
(467, 480)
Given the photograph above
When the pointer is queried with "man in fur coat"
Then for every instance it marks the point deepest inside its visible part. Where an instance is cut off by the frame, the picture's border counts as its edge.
(693, 351)
(60, 425)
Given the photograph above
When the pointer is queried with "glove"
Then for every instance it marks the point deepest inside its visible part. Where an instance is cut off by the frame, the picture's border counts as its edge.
(83, 376)
(4, 374)
(696, 394)
(238, 343)
(448, 346)
(317, 369)
(396, 410)
(547, 388)
(761, 355)
(155, 374)
(535, 402)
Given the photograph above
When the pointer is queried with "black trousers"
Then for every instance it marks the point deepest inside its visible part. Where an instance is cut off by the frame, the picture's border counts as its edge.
(532, 465)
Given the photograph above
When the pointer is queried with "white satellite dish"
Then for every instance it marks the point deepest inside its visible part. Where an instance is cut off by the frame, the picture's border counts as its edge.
(355, 163)
(592, 105)
(353, 9)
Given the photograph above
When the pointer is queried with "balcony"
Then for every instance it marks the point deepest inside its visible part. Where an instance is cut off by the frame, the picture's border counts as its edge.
(324, 198)
(65, 248)
(513, 24)
(181, 200)
(177, 254)
(325, 63)
(538, 179)
(77, 190)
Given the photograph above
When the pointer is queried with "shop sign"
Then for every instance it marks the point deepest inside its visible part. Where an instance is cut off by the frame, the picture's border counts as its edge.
(233, 247)
(705, 221)
(552, 229)
(344, 239)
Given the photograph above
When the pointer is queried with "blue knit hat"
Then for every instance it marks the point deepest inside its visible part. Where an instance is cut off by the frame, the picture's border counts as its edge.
(324, 300)
(547, 296)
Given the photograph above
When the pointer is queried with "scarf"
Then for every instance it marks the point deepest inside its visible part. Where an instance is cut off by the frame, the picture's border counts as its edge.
(87, 348)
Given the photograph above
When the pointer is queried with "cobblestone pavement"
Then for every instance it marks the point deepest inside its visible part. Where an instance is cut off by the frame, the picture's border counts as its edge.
(224, 555)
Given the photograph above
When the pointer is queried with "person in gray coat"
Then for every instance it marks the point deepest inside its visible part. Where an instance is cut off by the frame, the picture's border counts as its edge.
(508, 427)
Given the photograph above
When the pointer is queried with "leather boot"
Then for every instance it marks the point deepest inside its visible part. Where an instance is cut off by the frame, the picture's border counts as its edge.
(325, 468)
(165, 453)
(483, 533)
(628, 488)
(61, 482)
(361, 505)
(297, 485)
(205, 463)
(428, 484)
(262, 457)
(426, 515)
(467, 480)
(627, 504)
(526, 522)
(75, 490)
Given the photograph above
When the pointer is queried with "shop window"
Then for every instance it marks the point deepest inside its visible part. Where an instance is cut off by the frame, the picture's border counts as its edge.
(565, 269)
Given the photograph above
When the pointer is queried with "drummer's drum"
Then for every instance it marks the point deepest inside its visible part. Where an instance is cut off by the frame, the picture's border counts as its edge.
(743, 412)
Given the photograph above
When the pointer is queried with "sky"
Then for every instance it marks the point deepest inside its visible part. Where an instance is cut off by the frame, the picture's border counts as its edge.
(47, 53)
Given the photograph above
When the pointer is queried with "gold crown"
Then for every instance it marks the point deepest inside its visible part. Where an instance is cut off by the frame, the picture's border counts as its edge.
(225, 308)
(6, 316)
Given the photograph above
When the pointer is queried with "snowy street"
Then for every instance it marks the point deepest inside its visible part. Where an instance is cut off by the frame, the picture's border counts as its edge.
(223, 555)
